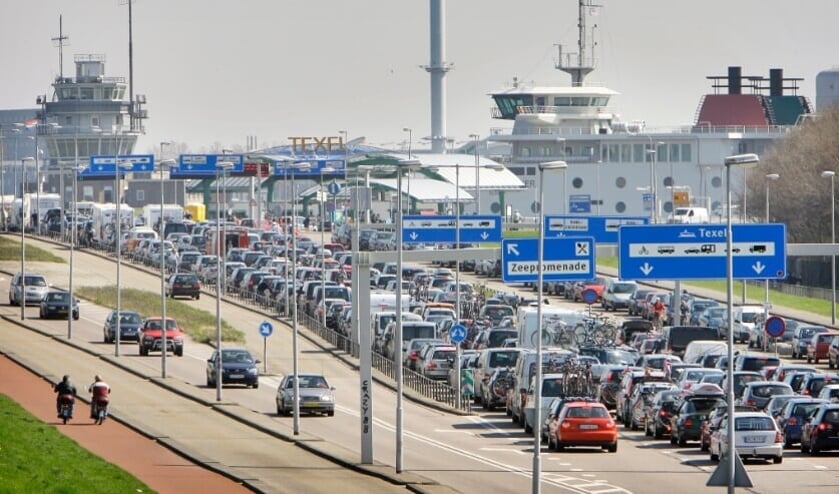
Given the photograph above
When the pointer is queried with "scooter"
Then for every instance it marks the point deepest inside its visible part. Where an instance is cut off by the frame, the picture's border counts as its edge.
(65, 407)
(100, 410)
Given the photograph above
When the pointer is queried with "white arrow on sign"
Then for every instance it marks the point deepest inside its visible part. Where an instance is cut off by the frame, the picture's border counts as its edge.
(484, 235)
(513, 249)
(646, 269)
(758, 267)
(413, 235)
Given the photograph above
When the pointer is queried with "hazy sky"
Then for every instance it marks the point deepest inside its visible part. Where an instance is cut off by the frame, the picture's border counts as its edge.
(219, 71)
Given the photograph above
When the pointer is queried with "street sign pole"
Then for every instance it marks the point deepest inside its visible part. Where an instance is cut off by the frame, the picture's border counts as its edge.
(265, 329)
(457, 334)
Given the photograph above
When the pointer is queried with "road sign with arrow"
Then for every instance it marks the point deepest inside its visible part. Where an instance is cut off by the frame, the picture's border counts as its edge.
(693, 252)
(563, 259)
(474, 228)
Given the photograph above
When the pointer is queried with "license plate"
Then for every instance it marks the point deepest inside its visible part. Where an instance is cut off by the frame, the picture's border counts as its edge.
(236, 376)
(588, 426)
(310, 404)
(753, 439)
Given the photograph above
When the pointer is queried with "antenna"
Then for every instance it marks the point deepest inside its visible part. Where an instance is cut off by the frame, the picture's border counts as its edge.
(60, 42)
(585, 62)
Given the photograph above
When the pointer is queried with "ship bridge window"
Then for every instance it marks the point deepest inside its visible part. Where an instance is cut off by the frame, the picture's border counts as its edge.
(86, 93)
(626, 153)
(638, 151)
(674, 152)
(507, 104)
(67, 93)
(562, 101)
(540, 101)
(580, 101)
(108, 93)
(601, 101)
(614, 156)
(686, 153)
(524, 152)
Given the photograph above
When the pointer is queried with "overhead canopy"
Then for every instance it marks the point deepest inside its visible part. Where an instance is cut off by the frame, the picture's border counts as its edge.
(425, 190)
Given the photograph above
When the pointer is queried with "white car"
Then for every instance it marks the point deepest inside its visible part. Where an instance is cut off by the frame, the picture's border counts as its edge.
(755, 436)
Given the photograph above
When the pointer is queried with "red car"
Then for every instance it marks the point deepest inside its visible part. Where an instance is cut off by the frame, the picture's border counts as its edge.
(583, 423)
(819, 346)
(151, 337)
(598, 285)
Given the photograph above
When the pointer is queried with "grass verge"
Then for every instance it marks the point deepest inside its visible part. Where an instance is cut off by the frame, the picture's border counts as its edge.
(35, 457)
(10, 251)
(753, 292)
(200, 325)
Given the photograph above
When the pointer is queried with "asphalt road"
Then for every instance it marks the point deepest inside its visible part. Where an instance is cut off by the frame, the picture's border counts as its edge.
(482, 452)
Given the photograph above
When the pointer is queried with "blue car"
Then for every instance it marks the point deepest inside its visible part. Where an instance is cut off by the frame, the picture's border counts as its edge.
(792, 416)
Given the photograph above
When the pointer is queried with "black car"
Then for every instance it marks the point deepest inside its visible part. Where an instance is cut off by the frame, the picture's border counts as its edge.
(129, 326)
(183, 285)
(237, 367)
(56, 304)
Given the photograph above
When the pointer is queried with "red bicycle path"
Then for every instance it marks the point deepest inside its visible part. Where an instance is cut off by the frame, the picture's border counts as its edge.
(155, 465)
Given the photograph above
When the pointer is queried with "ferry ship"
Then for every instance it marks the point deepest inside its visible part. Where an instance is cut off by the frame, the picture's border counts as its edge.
(626, 168)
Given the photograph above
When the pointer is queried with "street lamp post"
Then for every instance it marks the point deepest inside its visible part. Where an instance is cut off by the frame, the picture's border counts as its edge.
(220, 241)
(73, 237)
(22, 298)
(162, 165)
(537, 411)
(652, 152)
(770, 177)
(475, 139)
(832, 175)
(744, 161)
(410, 157)
(120, 166)
(326, 169)
(295, 357)
(404, 165)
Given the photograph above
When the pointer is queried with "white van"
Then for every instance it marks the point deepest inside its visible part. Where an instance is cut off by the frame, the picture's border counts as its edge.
(690, 215)
(746, 318)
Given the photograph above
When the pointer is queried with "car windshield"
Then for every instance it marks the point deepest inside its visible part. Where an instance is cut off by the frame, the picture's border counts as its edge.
(587, 412)
(503, 359)
(804, 409)
(58, 297)
(768, 391)
(237, 356)
(35, 281)
(130, 319)
(620, 357)
(749, 317)
(702, 405)
(623, 287)
(309, 382)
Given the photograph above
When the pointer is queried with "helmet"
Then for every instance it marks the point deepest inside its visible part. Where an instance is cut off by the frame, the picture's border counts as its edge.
(97, 378)
(66, 377)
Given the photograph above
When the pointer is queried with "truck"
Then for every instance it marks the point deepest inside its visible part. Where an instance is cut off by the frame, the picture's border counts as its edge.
(171, 212)
(103, 216)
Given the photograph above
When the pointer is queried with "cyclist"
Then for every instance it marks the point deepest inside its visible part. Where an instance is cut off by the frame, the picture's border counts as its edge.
(658, 313)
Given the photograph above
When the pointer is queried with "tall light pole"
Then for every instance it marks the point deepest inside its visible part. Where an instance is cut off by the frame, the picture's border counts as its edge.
(222, 167)
(73, 237)
(403, 165)
(744, 161)
(410, 132)
(344, 143)
(295, 352)
(537, 411)
(652, 153)
(119, 168)
(475, 138)
(326, 169)
(163, 164)
(832, 175)
(770, 177)
(23, 162)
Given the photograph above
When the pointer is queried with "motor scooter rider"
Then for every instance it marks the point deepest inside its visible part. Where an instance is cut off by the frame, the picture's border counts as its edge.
(101, 394)
(63, 388)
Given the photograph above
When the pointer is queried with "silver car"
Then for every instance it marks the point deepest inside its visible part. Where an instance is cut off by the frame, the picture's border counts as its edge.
(35, 285)
(316, 395)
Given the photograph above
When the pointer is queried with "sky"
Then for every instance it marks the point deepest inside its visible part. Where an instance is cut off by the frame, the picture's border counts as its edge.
(216, 72)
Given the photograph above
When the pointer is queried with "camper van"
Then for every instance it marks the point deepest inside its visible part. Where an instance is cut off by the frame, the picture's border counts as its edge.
(527, 323)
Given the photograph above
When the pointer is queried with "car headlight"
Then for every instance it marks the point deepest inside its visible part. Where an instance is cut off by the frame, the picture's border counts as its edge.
(326, 398)
(253, 370)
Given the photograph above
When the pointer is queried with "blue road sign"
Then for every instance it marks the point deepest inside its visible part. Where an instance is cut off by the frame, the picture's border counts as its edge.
(286, 168)
(265, 329)
(775, 326)
(334, 188)
(647, 199)
(589, 296)
(105, 166)
(604, 229)
(457, 333)
(563, 259)
(579, 203)
(694, 252)
(206, 165)
(443, 229)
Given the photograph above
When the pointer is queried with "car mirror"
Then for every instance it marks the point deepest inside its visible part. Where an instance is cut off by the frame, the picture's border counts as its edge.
(257, 361)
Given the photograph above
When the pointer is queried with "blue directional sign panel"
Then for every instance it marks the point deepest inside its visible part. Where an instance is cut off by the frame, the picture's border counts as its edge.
(579, 203)
(105, 166)
(604, 229)
(563, 259)
(457, 333)
(289, 168)
(443, 229)
(205, 165)
(693, 252)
